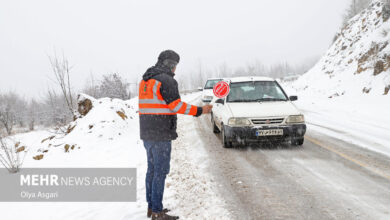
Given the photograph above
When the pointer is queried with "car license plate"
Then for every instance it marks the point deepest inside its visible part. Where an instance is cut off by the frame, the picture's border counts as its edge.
(271, 132)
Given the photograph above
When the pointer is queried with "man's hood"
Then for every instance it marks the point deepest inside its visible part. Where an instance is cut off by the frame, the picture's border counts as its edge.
(156, 70)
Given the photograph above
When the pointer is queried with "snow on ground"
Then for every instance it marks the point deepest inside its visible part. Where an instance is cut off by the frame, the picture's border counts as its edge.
(191, 165)
(362, 119)
(104, 138)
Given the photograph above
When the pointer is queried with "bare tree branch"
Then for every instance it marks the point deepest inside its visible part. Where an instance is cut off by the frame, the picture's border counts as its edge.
(61, 71)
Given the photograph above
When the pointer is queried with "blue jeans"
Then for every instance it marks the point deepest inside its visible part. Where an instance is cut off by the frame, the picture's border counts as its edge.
(159, 158)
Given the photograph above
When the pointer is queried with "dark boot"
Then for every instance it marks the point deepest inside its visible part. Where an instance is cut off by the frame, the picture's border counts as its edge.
(163, 216)
(149, 213)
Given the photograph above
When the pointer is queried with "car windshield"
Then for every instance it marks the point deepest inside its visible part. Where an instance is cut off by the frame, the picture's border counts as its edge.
(211, 83)
(258, 91)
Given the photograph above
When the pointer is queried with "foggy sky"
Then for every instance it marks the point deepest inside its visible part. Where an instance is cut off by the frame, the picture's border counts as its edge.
(126, 36)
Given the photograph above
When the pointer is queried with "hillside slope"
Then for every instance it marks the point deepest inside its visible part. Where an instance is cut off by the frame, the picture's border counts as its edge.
(346, 94)
(358, 62)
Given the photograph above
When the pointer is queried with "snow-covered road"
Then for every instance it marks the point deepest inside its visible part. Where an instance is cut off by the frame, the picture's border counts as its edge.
(326, 178)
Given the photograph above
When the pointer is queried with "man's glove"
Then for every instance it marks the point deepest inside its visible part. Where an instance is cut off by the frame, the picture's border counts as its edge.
(206, 109)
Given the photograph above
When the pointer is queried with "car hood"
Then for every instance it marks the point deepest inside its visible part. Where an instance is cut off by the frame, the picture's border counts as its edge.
(262, 109)
(207, 92)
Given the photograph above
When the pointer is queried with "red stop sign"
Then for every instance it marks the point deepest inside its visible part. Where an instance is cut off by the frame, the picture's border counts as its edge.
(221, 89)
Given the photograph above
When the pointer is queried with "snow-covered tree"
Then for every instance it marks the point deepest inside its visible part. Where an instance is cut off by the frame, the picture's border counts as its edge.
(223, 70)
(54, 110)
(354, 8)
(91, 87)
(33, 114)
(386, 10)
(199, 75)
(114, 86)
(12, 109)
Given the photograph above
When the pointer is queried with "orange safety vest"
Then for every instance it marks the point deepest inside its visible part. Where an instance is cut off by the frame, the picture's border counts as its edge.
(151, 101)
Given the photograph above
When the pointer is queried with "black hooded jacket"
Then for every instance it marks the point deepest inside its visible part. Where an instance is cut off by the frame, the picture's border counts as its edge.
(161, 127)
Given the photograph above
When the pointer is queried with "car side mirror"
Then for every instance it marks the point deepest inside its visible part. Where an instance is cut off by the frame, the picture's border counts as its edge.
(220, 101)
(200, 88)
(293, 98)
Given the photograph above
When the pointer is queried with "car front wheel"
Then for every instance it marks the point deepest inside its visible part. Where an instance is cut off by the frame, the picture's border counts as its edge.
(225, 141)
(215, 128)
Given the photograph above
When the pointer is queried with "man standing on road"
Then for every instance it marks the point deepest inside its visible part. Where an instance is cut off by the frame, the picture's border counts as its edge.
(159, 102)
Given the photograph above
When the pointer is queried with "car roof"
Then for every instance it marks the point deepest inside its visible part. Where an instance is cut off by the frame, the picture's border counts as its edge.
(250, 78)
(214, 79)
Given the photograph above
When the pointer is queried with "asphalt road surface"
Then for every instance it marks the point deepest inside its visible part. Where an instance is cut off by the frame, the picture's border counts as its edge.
(324, 179)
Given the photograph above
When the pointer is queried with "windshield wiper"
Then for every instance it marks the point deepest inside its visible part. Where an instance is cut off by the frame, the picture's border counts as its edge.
(240, 100)
(258, 100)
(269, 99)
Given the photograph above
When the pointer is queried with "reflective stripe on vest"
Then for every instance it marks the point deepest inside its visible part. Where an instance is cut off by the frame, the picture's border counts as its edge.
(152, 102)
(149, 100)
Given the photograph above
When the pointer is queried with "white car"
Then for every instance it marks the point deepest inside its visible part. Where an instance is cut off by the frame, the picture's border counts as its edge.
(207, 94)
(257, 109)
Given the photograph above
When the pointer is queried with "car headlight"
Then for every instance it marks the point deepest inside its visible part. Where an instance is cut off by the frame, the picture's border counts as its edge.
(239, 121)
(295, 119)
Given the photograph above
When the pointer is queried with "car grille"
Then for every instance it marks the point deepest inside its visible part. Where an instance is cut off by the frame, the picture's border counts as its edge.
(267, 121)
